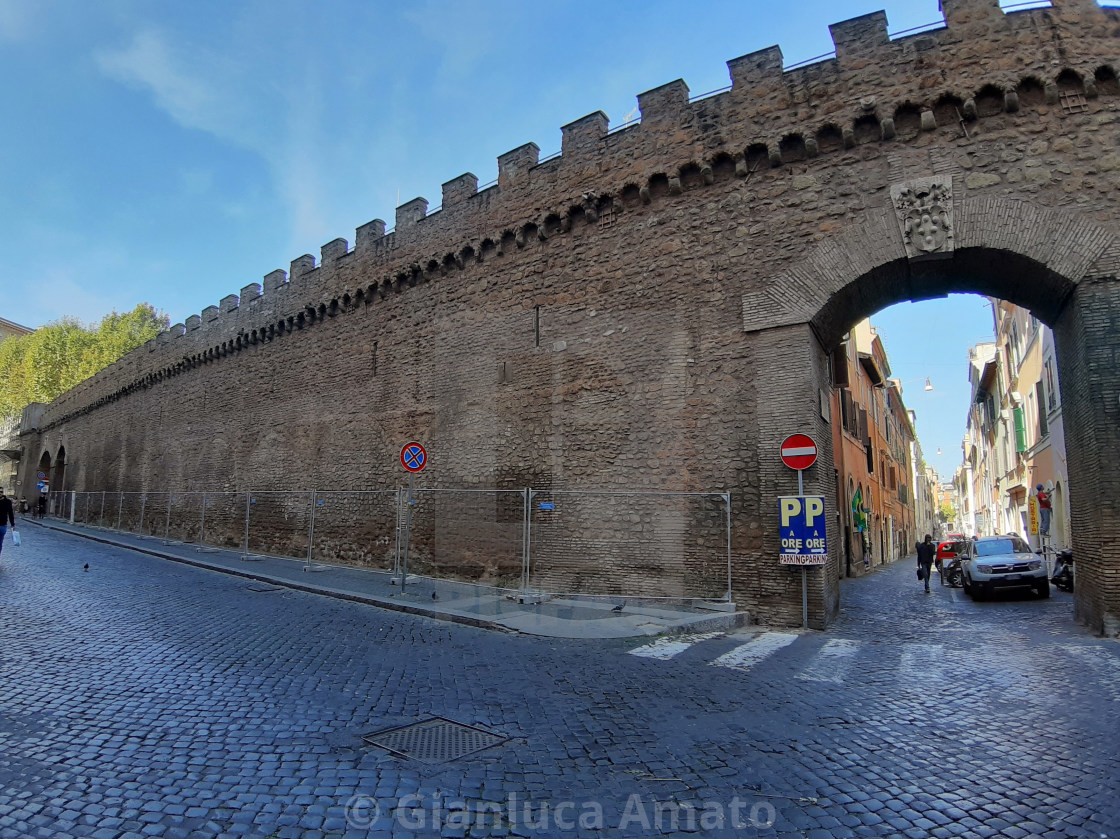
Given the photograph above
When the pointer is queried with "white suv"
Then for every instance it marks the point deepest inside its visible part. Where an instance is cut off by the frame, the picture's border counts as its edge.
(1003, 562)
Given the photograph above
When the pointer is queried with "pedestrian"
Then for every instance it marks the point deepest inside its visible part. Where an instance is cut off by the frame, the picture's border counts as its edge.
(926, 552)
(41, 506)
(7, 515)
(23, 505)
(1044, 510)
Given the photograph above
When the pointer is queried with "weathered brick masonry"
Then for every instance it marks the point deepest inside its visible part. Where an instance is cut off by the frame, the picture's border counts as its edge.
(654, 307)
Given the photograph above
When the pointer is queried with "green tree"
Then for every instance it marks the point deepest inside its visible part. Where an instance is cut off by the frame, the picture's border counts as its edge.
(947, 512)
(41, 366)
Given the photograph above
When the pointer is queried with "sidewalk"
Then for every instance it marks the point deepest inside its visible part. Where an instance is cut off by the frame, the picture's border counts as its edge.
(482, 606)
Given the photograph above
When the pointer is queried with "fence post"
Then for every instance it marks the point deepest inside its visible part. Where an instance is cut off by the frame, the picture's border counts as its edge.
(248, 501)
(120, 509)
(727, 501)
(528, 538)
(101, 517)
(202, 525)
(73, 503)
(311, 530)
(167, 524)
(143, 505)
(526, 509)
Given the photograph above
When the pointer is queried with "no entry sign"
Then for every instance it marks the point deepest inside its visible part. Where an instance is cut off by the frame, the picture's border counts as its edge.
(413, 457)
(799, 451)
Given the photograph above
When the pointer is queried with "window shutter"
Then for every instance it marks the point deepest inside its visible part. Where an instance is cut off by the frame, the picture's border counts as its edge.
(1020, 431)
(1040, 400)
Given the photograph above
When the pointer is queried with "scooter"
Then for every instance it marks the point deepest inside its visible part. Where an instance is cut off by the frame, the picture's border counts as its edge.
(951, 573)
(1063, 570)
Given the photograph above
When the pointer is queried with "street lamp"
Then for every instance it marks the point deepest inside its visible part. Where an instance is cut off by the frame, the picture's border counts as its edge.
(929, 386)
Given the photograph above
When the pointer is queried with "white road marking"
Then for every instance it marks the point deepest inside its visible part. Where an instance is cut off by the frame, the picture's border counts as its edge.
(920, 661)
(832, 662)
(666, 648)
(747, 655)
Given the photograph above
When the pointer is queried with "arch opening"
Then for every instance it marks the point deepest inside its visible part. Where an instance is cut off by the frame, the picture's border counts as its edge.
(1078, 333)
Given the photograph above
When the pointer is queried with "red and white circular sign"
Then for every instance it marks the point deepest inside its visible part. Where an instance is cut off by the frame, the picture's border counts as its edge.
(799, 451)
(413, 457)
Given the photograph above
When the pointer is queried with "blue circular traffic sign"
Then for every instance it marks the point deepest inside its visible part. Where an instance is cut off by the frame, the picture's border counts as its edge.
(413, 457)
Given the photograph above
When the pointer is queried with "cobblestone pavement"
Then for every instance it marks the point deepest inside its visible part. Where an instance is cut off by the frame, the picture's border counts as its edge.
(146, 698)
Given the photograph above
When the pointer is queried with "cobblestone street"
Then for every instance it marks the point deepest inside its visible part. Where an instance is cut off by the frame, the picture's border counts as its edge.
(147, 698)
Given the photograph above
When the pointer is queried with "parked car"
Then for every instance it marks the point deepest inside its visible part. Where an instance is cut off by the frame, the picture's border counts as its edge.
(952, 549)
(998, 563)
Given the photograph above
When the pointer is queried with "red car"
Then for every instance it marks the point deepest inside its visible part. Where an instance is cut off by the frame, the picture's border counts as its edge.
(951, 549)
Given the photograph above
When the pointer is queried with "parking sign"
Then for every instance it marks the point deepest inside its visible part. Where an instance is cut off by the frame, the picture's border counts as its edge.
(802, 530)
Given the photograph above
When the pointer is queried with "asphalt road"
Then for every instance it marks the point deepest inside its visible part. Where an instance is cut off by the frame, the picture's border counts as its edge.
(147, 698)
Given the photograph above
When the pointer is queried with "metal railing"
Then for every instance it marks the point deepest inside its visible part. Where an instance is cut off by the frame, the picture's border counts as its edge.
(595, 543)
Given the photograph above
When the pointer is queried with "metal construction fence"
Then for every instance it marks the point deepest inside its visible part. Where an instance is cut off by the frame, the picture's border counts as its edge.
(573, 542)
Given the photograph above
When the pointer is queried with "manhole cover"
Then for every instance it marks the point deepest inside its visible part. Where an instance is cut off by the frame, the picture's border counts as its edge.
(434, 741)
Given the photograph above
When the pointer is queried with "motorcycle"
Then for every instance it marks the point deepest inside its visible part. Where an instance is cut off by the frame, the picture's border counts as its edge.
(1063, 570)
(951, 573)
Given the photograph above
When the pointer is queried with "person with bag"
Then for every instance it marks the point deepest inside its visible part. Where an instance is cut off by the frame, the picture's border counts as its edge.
(927, 550)
(7, 514)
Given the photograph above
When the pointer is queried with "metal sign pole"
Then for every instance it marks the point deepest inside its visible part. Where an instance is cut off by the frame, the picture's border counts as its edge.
(407, 528)
(804, 571)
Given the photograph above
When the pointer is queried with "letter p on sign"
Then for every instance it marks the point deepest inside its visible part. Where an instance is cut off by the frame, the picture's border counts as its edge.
(814, 506)
(791, 508)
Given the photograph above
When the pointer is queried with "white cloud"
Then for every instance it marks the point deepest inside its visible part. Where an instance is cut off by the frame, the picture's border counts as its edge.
(148, 62)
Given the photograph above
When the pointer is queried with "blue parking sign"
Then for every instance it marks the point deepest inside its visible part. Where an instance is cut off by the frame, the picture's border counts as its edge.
(802, 530)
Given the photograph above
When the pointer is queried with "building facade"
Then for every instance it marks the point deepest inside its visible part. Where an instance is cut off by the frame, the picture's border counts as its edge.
(1015, 438)
(873, 439)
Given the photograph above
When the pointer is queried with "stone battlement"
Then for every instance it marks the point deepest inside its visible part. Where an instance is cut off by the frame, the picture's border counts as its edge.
(874, 91)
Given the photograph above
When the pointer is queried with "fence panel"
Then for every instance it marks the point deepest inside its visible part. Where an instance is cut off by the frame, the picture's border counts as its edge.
(81, 507)
(476, 536)
(184, 517)
(59, 504)
(133, 509)
(223, 522)
(155, 520)
(279, 523)
(356, 528)
(671, 545)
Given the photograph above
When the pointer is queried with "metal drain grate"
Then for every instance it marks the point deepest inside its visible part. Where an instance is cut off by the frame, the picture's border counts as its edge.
(434, 741)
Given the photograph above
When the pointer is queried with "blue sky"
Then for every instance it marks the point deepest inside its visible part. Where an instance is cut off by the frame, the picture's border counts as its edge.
(175, 152)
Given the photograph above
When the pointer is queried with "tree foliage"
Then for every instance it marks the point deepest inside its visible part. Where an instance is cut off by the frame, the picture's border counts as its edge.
(947, 512)
(41, 366)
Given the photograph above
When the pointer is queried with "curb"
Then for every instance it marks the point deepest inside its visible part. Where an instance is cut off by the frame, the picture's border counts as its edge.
(727, 621)
(407, 608)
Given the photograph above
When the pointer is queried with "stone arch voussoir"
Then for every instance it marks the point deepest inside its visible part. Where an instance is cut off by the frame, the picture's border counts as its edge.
(1033, 256)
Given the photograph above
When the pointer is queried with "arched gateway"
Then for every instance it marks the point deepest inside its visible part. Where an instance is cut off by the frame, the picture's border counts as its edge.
(655, 307)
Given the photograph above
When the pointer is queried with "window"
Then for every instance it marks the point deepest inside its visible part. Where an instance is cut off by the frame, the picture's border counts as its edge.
(1040, 402)
(1051, 386)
